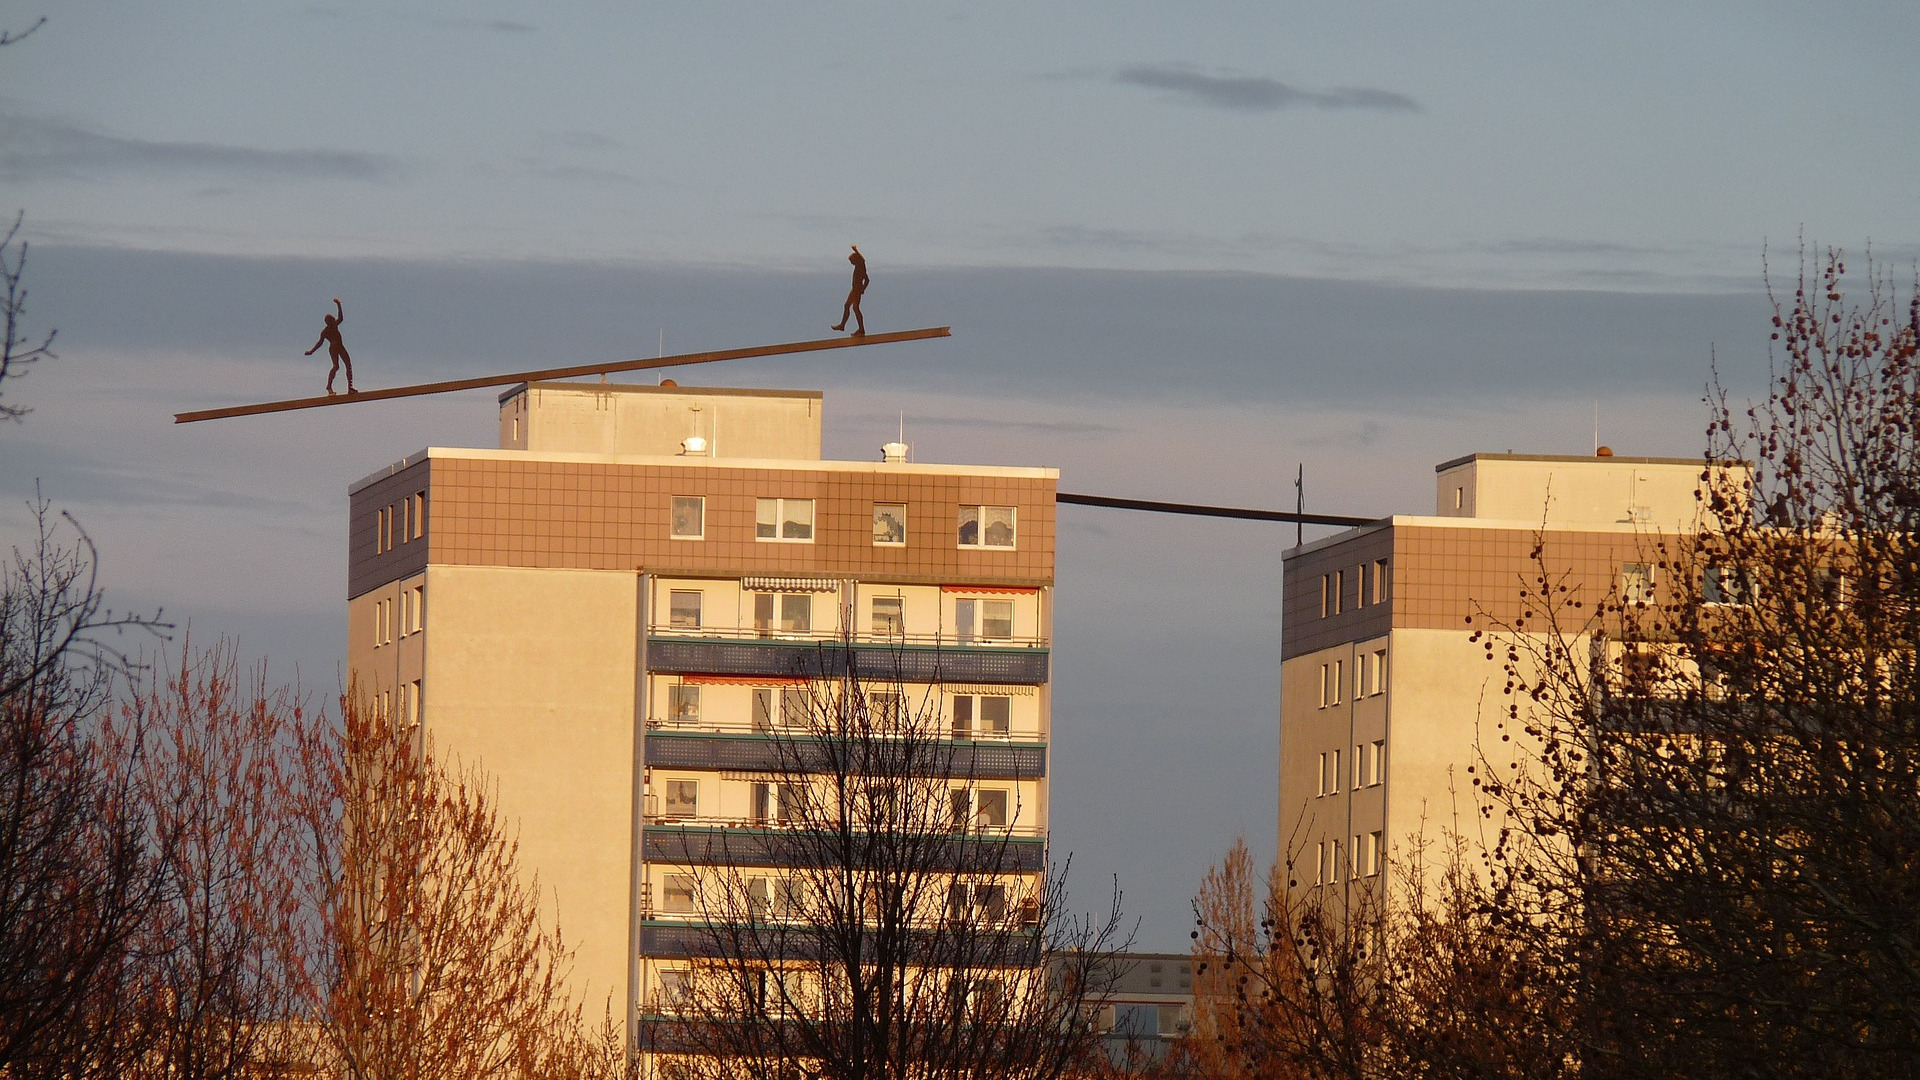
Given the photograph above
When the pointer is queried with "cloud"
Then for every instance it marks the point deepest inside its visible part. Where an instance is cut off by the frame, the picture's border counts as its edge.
(35, 148)
(498, 26)
(1253, 93)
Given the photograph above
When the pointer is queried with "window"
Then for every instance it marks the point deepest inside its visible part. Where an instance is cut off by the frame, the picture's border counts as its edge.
(1368, 763)
(382, 623)
(773, 801)
(382, 529)
(1377, 772)
(1339, 591)
(410, 706)
(887, 707)
(889, 524)
(419, 514)
(1382, 581)
(1636, 584)
(977, 1001)
(1366, 586)
(1330, 772)
(986, 527)
(1363, 676)
(679, 897)
(683, 798)
(989, 620)
(889, 616)
(1370, 857)
(793, 702)
(977, 903)
(794, 613)
(783, 520)
(1725, 585)
(413, 610)
(1338, 680)
(676, 987)
(986, 714)
(689, 517)
(683, 703)
(1379, 671)
(1326, 595)
(683, 609)
(979, 808)
(1326, 689)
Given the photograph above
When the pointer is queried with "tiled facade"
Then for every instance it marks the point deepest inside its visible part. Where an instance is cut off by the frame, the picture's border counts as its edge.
(535, 612)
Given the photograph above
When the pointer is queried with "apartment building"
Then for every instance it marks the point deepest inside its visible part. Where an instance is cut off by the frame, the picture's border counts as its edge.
(607, 613)
(1385, 698)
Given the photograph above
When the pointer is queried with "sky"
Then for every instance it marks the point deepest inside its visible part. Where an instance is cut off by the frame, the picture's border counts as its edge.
(1184, 249)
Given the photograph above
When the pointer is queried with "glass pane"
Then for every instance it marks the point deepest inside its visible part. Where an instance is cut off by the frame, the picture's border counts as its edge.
(796, 613)
(763, 611)
(683, 704)
(889, 523)
(960, 808)
(793, 706)
(689, 516)
(992, 902)
(684, 610)
(969, 526)
(992, 809)
(994, 714)
(766, 519)
(962, 717)
(679, 894)
(763, 710)
(997, 526)
(889, 615)
(796, 519)
(996, 619)
(683, 798)
(963, 620)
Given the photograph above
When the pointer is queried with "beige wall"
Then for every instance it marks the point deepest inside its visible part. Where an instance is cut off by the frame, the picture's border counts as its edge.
(614, 418)
(1571, 492)
(530, 676)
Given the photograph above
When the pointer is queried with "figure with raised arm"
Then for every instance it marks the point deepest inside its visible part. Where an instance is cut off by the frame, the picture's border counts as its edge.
(852, 306)
(336, 349)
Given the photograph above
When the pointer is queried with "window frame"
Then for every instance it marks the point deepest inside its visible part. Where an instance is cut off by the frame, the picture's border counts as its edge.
(981, 525)
(878, 517)
(673, 517)
(699, 609)
(780, 520)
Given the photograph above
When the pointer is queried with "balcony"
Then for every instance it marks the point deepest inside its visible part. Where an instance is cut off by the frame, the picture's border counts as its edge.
(887, 657)
(782, 751)
(716, 842)
(683, 940)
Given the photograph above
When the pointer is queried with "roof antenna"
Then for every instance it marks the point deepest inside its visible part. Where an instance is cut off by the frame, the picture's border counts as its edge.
(1596, 428)
(1300, 505)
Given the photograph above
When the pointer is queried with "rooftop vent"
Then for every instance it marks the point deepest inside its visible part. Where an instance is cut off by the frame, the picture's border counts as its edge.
(894, 451)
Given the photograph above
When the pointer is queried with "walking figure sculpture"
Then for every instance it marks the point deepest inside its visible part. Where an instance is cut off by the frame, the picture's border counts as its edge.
(336, 349)
(852, 306)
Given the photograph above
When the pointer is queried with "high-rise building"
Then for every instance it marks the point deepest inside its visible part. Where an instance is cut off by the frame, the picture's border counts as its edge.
(1385, 698)
(608, 614)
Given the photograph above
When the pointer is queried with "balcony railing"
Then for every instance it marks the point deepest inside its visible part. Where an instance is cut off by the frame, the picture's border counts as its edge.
(829, 636)
(678, 941)
(975, 661)
(788, 752)
(727, 842)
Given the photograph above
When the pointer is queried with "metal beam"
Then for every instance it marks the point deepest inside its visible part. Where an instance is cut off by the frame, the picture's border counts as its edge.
(558, 373)
(1211, 511)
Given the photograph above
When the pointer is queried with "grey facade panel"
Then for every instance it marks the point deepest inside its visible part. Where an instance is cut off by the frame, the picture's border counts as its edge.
(790, 660)
(705, 845)
(780, 753)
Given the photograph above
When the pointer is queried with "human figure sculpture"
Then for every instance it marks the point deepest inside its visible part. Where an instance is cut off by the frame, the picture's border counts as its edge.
(336, 349)
(852, 306)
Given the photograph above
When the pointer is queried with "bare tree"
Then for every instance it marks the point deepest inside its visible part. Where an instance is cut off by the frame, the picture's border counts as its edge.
(1722, 831)
(78, 860)
(888, 926)
(18, 350)
(432, 960)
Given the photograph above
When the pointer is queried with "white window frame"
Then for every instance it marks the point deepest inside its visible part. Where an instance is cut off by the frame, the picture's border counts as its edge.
(970, 618)
(969, 719)
(683, 703)
(699, 505)
(1640, 592)
(878, 516)
(667, 801)
(699, 608)
(979, 522)
(898, 621)
(780, 521)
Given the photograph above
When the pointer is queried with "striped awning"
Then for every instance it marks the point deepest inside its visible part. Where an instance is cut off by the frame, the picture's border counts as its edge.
(790, 584)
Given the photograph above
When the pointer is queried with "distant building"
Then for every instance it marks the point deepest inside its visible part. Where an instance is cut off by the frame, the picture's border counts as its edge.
(604, 613)
(1148, 1006)
(1384, 698)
